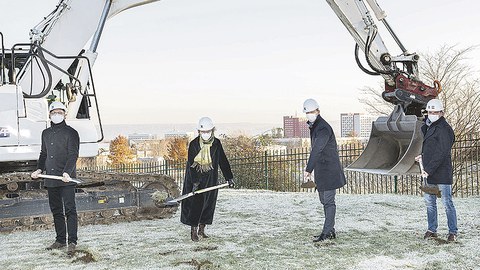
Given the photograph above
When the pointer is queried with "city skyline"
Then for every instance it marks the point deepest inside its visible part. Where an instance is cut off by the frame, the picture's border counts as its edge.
(242, 61)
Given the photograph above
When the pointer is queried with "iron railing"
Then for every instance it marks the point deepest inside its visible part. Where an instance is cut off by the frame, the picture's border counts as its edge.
(283, 171)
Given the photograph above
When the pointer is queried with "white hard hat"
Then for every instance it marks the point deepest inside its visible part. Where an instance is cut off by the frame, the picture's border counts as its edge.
(434, 105)
(57, 105)
(205, 124)
(310, 105)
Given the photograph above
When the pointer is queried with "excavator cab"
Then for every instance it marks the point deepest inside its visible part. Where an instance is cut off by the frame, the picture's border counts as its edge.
(394, 143)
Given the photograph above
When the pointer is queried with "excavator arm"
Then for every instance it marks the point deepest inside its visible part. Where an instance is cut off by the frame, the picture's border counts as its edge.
(400, 72)
(55, 65)
(395, 140)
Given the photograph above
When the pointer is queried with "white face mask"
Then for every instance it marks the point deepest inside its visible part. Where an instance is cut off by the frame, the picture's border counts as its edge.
(311, 117)
(205, 136)
(57, 118)
(433, 117)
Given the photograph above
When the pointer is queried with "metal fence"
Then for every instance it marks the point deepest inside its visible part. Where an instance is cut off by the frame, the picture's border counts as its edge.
(283, 171)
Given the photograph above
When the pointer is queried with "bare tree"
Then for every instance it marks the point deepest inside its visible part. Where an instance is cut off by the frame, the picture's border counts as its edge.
(460, 91)
(372, 99)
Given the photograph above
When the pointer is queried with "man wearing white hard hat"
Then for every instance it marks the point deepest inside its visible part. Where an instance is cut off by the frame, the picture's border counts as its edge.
(58, 156)
(205, 156)
(436, 157)
(325, 163)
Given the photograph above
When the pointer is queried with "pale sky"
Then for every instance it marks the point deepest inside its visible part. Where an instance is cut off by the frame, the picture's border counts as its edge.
(174, 61)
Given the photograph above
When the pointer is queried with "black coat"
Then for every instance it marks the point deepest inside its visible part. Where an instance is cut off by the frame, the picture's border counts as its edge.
(324, 159)
(438, 139)
(59, 153)
(199, 209)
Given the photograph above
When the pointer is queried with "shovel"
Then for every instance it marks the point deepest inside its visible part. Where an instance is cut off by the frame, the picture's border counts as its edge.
(58, 178)
(175, 201)
(426, 187)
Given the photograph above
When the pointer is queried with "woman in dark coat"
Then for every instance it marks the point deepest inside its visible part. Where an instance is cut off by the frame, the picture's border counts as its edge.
(205, 155)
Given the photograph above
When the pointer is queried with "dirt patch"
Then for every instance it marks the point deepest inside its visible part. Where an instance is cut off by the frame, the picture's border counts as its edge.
(83, 256)
(167, 252)
(324, 244)
(205, 248)
(197, 264)
(439, 241)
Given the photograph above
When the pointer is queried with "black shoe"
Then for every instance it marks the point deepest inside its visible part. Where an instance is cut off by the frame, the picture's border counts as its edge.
(323, 237)
(430, 234)
(71, 249)
(332, 233)
(56, 245)
(452, 237)
(194, 233)
(201, 231)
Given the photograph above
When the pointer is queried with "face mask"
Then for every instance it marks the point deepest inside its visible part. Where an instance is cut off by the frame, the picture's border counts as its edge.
(433, 117)
(57, 118)
(205, 136)
(311, 117)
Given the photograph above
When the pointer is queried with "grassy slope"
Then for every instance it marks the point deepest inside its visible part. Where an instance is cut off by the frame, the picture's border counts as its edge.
(268, 230)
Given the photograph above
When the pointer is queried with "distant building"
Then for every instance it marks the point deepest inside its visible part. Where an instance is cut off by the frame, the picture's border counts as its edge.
(294, 127)
(356, 125)
(136, 137)
(178, 134)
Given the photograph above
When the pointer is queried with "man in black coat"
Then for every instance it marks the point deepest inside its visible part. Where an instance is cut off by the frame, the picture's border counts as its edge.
(205, 155)
(58, 156)
(437, 164)
(325, 162)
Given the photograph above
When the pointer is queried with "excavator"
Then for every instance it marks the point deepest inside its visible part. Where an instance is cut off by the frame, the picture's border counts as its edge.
(56, 65)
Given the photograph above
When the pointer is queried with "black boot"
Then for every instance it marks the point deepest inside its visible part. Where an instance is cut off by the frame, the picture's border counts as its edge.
(323, 237)
(194, 234)
(201, 231)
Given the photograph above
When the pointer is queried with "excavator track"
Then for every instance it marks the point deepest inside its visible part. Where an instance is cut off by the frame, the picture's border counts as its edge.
(101, 198)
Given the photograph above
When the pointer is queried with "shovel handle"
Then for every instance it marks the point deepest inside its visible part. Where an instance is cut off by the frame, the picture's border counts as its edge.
(420, 163)
(210, 188)
(55, 177)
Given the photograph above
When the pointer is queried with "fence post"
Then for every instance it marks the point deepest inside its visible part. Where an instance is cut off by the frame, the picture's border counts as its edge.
(265, 159)
(395, 181)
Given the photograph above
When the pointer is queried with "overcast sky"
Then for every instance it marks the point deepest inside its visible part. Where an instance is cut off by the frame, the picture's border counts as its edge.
(175, 61)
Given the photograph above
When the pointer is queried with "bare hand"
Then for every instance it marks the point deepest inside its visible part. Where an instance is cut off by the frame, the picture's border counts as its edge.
(307, 176)
(36, 174)
(66, 178)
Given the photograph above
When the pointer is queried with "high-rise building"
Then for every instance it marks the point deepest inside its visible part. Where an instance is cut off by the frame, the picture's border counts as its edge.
(356, 125)
(294, 127)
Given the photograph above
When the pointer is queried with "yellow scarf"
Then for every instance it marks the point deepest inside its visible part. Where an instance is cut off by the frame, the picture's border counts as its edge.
(203, 161)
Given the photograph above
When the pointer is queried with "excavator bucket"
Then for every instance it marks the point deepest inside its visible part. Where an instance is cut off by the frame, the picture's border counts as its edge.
(394, 143)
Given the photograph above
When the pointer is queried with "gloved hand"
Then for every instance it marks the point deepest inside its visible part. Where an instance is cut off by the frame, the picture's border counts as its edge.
(195, 186)
(66, 178)
(36, 173)
(231, 184)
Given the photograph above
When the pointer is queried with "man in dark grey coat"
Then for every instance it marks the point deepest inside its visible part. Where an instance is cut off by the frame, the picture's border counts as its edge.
(58, 156)
(437, 164)
(325, 162)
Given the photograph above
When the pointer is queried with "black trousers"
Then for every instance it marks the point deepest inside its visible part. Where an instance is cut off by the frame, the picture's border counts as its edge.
(62, 204)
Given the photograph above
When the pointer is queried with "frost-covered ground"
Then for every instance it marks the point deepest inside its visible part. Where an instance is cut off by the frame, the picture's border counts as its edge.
(268, 230)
